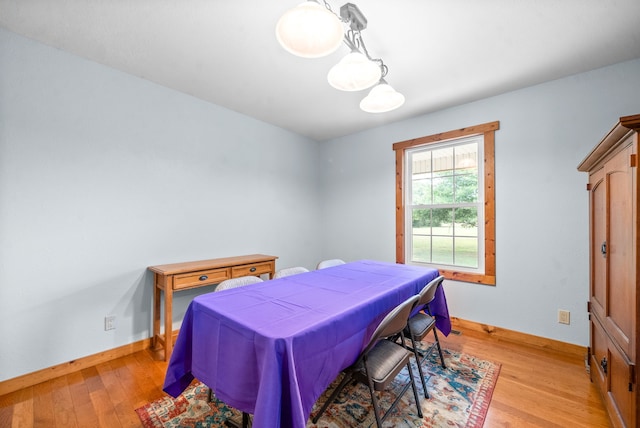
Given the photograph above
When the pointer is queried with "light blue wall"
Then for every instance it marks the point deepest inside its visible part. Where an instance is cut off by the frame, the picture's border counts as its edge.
(541, 201)
(103, 174)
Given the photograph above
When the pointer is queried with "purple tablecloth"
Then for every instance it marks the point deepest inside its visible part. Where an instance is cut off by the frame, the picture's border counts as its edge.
(272, 348)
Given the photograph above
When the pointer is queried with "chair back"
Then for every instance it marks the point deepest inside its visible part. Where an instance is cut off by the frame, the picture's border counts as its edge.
(428, 293)
(290, 271)
(329, 263)
(237, 282)
(393, 323)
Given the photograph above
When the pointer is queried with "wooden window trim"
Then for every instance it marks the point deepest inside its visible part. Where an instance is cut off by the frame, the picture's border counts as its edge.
(488, 130)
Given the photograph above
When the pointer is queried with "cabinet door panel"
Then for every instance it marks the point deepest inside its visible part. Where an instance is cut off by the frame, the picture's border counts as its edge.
(621, 289)
(599, 354)
(611, 373)
(598, 238)
(619, 393)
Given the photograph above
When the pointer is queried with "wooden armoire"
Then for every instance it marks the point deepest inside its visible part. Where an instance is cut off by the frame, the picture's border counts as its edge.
(614, 300)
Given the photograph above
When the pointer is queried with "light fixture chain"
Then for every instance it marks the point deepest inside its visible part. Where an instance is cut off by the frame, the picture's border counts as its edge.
(328, 6)
(358, 42)
(353, 39)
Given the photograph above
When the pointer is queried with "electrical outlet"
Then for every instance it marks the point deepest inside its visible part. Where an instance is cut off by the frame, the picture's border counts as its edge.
(109, 322)
(564, 316)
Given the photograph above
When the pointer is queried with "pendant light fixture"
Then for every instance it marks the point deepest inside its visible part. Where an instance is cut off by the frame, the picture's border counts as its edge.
(310, 30)
(354, 72)
(382, 98)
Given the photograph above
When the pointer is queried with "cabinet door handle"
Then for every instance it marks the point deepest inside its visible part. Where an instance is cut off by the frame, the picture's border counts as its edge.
(603, 249)
(203, 278)
(603, 364)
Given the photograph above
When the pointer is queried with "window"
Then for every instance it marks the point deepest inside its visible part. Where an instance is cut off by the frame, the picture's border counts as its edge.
(445, 204)
(443, 194)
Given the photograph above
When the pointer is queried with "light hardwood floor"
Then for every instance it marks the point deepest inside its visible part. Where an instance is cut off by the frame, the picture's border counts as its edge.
(536, 388)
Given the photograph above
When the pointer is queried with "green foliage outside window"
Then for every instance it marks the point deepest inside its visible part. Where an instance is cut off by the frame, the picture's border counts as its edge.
(458, 189)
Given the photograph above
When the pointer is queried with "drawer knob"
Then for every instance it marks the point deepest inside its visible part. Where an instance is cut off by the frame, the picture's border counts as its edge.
(203, 278)
(252, 269)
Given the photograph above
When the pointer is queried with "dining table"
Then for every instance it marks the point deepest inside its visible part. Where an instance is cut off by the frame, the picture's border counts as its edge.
(270, 349)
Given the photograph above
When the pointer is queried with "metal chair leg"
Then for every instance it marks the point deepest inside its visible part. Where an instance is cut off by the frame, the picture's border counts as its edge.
(415, 390)
(245, 422)
(374, 401)
(419, 364)
(435, 335)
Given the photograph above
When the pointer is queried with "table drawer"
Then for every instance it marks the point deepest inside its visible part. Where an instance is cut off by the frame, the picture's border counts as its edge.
(200, 278)
(252, 269)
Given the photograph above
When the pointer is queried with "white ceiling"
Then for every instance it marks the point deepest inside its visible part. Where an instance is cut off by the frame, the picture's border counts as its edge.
(440, 53)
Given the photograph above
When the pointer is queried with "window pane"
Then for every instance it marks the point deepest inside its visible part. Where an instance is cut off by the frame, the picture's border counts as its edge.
(466, 188)
(442, 251)
(421, 248)
(421, 162)
(421, 222)
(421, 234)
(466, 222)
(443, 190)
(421, 192)
(466, 156)
(466, 250)
(441, 220)
(443, 161)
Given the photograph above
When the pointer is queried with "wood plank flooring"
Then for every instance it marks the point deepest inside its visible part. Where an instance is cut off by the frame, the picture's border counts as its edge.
(536, 388)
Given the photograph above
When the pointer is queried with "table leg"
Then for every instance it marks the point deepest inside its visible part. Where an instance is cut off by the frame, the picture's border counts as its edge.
(168, 320)
(156, 313)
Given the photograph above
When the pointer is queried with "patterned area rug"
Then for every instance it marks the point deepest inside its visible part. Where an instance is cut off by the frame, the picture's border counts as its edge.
(459, 397)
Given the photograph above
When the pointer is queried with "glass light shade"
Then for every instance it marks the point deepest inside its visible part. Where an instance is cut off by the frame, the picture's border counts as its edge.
(382, 98)
(309, 30)
(354, 72)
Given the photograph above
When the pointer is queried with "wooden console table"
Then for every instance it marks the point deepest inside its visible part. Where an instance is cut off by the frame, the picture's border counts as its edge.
(183, 276)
